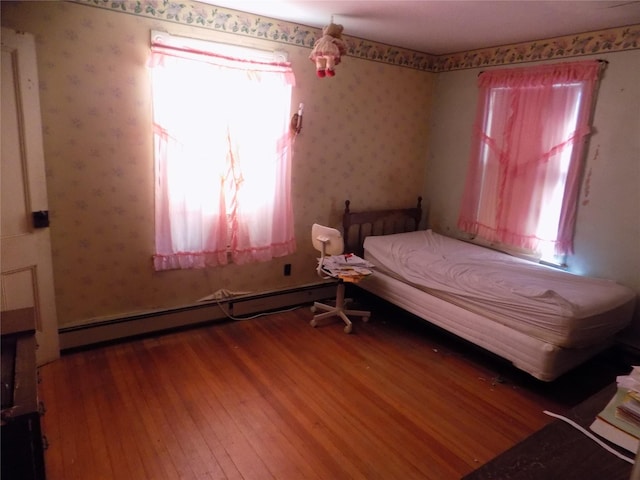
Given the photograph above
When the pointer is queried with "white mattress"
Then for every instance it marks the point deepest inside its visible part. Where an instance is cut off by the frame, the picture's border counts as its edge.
(554, 306)
(540, 359)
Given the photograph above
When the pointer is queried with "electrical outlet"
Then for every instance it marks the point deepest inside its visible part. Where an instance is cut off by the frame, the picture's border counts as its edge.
(287, 269)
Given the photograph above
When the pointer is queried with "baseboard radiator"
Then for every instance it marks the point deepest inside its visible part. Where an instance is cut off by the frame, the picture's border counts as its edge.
(101, 331)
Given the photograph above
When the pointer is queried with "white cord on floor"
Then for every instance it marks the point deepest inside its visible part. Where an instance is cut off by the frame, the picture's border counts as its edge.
(239, 319)
(591, 436)
(224, 295)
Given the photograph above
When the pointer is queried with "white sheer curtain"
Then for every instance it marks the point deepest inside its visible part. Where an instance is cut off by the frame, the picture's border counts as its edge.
(223, 159)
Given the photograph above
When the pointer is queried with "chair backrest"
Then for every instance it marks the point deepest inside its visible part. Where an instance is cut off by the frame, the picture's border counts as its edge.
(327, 240)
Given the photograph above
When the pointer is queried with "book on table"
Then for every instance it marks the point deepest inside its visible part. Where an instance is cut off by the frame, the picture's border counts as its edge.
(629, 409)
(613, 423)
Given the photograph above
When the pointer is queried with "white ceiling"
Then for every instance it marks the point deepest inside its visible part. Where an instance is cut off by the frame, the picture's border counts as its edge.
(449, 26)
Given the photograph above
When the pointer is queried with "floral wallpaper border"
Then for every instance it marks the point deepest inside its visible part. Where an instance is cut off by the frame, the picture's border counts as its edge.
(246, 24)
(590, 43)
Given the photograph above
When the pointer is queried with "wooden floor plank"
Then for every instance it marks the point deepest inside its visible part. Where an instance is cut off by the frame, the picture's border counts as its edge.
(394, 404)
(50, 393)
(94, 417)
(275, 385)
(119, 421)
(274, 398)
(342, 392)
(188, 383)
(150, 433)
(187, 449)
(262, 426)
(226, 395)
(410, 442)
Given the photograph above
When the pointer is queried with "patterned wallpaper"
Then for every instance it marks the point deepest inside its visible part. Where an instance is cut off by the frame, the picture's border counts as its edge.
(250, 25)
(364, 137)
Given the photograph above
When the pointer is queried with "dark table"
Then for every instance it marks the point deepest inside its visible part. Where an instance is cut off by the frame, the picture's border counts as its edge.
(559, 451)
(21, 443)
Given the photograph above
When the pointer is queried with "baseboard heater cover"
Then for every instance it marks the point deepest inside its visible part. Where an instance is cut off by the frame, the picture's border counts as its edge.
(117, 328)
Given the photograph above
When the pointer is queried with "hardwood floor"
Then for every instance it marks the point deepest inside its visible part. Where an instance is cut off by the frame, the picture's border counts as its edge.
(275, 398)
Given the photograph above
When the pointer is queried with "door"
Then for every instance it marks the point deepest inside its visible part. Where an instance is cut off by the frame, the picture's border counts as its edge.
(25, 249)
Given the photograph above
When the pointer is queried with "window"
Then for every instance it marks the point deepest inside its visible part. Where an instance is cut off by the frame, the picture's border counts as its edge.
(523, 180)
(222, 154)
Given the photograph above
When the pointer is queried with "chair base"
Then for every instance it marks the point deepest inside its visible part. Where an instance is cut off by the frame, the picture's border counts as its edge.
(338, 310)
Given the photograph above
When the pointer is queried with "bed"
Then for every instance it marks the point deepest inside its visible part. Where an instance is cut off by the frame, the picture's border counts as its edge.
(545, 321)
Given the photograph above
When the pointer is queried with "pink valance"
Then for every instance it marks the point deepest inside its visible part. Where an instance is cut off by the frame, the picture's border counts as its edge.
(541, 75)
(160, 54)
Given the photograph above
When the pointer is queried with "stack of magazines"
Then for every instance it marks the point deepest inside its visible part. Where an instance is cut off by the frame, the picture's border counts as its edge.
(348, 267)
(619, 422)
(629, 409)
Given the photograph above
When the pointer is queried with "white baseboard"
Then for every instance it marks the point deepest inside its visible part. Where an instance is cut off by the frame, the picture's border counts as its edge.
(99, 331)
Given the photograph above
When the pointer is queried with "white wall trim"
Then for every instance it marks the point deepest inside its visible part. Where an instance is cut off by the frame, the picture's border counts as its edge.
(126, 326)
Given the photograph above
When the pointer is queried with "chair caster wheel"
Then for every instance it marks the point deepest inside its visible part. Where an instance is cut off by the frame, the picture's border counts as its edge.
(347, 329)
(313, 309)
(313, 323)
(366, 318)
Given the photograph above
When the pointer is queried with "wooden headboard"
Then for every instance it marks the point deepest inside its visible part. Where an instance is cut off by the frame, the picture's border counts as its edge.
(359, 225)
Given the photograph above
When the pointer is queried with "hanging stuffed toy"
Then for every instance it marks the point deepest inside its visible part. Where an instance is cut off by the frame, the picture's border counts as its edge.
(327, 51)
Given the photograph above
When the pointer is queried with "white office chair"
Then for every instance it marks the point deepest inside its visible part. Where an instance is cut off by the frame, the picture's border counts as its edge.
(329, 241)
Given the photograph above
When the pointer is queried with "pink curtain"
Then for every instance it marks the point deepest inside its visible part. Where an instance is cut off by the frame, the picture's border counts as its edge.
(223, 159)
(523, 179)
